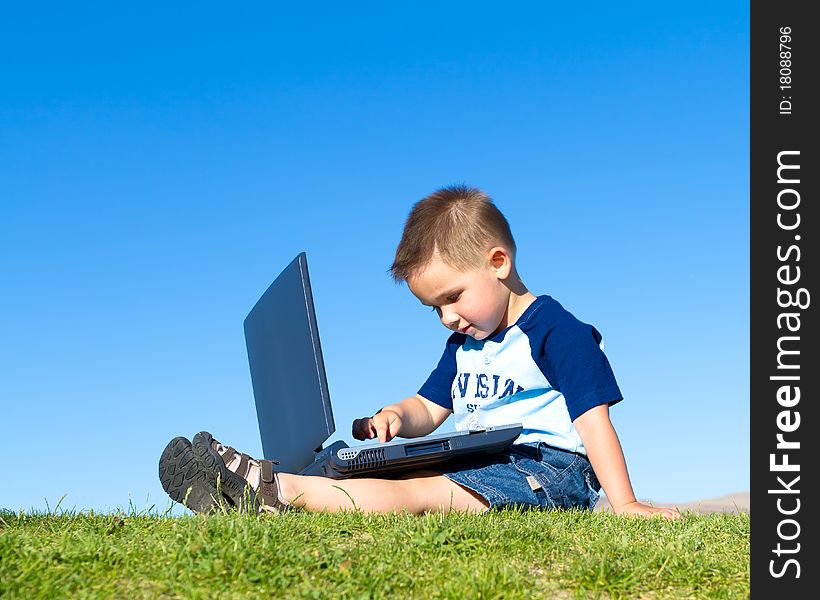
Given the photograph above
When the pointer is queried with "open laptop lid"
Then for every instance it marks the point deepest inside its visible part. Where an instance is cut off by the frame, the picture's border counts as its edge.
(287, 370)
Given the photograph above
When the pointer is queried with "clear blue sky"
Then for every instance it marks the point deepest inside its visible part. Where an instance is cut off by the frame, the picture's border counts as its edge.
(160, 164)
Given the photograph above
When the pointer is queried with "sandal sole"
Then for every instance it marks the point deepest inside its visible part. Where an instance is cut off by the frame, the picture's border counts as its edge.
(234, 487)
(184, 479)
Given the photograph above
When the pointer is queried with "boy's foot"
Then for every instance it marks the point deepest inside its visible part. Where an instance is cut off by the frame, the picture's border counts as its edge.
(248, 483)
(185, 480)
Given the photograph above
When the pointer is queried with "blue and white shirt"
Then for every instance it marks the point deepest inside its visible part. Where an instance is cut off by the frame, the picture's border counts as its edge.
(543, 372)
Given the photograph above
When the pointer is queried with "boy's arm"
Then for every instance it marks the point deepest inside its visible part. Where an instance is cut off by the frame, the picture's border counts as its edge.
(412, 417)
(607, 459)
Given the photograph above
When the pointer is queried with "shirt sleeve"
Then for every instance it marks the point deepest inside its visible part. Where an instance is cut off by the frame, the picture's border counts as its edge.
(572, 360)
(439, 384)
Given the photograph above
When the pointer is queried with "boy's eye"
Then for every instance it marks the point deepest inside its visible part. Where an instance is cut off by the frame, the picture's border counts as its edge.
(452, 298)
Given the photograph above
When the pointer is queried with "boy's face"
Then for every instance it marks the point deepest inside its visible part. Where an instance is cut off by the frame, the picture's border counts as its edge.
(474, 302)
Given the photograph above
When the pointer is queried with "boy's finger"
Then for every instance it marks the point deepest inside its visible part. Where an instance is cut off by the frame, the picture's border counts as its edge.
(357, 429)
(363, 429)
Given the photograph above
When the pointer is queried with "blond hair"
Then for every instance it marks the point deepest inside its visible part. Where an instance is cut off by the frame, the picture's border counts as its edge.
(461, 223)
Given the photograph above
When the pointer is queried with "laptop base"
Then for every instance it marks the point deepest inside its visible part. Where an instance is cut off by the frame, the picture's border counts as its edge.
(339, 461)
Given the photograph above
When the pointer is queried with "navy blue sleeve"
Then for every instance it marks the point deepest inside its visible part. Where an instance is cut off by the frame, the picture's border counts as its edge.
(438, 386)
(571, 359)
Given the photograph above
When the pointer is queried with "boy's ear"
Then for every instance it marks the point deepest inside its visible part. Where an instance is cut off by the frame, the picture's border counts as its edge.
(501, 261)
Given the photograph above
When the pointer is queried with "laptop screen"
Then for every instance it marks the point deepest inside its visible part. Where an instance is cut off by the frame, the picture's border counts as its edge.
(287, 370)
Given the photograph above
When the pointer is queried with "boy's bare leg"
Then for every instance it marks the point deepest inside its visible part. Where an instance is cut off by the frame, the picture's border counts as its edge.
(416, 492)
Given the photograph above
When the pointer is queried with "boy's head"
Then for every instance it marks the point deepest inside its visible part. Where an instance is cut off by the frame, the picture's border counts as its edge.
(457, 254)
(459, 224)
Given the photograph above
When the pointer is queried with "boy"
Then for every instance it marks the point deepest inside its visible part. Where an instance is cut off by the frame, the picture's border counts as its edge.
(512, 357)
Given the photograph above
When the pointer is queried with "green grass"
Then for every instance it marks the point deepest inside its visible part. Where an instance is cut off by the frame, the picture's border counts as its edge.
(560, 554)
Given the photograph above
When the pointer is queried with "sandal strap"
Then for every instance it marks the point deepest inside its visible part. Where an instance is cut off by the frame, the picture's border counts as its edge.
(227, 454)
(244, 466)
(269, 487)
(267, 470)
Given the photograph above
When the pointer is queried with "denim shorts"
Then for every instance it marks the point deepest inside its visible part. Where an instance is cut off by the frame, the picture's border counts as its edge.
(528, 476)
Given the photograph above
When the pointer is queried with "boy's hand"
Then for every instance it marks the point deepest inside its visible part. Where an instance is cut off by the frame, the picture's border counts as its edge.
(384, 425)
(644, 510)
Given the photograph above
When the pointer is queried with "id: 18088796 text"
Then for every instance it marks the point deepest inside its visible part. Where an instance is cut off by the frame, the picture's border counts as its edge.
(785, 70)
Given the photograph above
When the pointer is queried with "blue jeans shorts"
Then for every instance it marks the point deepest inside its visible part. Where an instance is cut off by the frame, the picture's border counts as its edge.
(528, 476)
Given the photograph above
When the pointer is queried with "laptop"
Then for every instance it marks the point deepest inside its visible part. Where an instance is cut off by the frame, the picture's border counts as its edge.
(293, 403)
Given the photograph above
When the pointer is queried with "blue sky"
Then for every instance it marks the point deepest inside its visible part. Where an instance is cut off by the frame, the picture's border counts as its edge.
(160, 164)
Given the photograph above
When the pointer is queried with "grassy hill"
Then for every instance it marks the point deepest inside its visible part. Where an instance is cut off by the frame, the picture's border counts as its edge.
(563, 554)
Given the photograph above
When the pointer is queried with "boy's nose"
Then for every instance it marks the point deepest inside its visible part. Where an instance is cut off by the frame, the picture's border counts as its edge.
(450, 321)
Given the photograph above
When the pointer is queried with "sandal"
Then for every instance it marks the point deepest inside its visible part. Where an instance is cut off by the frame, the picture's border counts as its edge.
(234, 468)
(184, 480)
